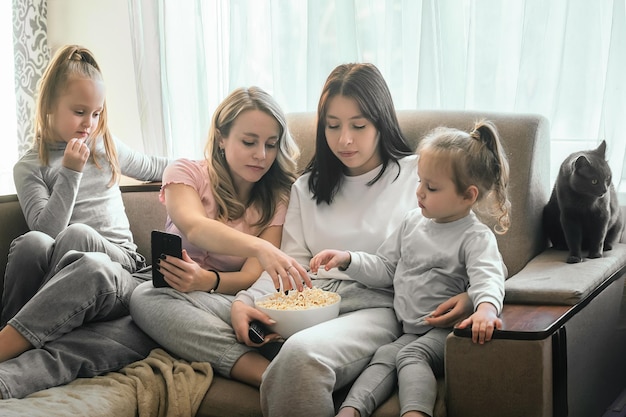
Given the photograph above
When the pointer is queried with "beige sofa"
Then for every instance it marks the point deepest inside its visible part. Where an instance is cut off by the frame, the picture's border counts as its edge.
(559, 351)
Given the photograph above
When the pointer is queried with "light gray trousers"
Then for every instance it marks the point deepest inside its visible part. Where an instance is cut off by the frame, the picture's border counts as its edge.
(77, 320)
(194, 326)
(312, 363)
(34, 256)
(317, 361)
(414, 362)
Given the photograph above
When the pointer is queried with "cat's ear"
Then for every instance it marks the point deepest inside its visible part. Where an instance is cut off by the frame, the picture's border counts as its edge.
(601, 150)
(581, 162)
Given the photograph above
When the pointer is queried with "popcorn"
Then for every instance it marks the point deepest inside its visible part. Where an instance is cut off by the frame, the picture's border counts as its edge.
(299, 300)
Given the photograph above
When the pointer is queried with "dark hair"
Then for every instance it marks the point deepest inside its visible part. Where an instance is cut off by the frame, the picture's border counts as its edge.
(365, 84)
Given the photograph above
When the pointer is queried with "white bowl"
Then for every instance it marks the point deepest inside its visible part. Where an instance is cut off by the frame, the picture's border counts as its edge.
(291, 321)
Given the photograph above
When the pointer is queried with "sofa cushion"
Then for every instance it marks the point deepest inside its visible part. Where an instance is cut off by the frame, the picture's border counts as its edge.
(548, 279)
(224, 392)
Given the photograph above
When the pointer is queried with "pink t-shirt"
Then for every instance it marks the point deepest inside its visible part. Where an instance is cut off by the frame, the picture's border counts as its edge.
(195, 175)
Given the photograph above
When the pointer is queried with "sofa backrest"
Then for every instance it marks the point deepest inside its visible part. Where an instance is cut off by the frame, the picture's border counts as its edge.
(526, 140)
(525, 137)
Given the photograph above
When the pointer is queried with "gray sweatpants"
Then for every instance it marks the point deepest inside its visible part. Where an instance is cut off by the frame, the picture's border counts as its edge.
(34, 256)
(312, 363)
(79, 325)
(414, 362)
(317, 361)
(194, 326)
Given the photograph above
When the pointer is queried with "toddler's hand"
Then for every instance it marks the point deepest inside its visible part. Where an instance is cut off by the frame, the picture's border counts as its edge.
(484, 321)
(76, 155)
(330, 258)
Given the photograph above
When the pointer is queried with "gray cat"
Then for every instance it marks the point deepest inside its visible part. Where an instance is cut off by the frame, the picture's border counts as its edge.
(583, 212)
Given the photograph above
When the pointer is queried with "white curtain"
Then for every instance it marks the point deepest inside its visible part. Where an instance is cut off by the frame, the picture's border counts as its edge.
(564, 59)
(31, 55)
(24, 46)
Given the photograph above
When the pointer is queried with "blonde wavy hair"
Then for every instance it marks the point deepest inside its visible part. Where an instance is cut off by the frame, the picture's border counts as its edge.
(274, 187)
(71, 62)
(475, 158)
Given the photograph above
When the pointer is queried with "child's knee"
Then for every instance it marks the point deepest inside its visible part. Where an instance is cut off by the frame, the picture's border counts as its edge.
(76, 232)
(79, 237)
(32, 242)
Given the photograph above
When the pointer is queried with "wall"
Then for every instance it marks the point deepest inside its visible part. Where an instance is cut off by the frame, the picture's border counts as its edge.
(103, 26)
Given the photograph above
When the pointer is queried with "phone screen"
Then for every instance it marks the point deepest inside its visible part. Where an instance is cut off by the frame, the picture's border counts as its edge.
(163, 243)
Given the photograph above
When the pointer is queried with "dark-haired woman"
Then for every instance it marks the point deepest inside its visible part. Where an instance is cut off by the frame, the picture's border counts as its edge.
(354, 193)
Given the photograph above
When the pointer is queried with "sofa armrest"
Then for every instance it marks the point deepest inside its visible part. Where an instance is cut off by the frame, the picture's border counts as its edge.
(548, 279)
(12, 225)
(548, 360)
(500, 378)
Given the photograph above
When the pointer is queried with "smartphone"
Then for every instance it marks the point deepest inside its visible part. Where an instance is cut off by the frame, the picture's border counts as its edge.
(257, 331)
(163, 243)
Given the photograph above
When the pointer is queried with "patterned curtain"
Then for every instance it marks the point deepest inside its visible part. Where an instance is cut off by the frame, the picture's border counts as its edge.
(31, 57)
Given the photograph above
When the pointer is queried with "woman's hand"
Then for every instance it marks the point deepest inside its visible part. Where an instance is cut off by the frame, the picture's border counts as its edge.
(330, 258)
(241, 315)
(188, 213)
(285, 271)
(484, 321)
(451, 312)
(185, 274)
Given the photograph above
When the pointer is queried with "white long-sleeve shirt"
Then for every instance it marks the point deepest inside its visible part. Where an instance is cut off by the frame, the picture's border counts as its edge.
(359, 218)
(429, 262)
(52, 196)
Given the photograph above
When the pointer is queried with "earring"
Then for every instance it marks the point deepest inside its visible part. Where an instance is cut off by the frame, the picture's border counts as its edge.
(222, 153)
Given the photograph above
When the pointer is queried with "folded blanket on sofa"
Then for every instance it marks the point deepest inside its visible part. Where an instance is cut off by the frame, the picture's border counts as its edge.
(157, 386)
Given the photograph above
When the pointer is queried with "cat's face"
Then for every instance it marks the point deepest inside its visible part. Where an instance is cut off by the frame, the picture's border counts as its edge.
(591, 175)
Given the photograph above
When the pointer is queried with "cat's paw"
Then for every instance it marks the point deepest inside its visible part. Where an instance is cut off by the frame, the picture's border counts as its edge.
(608, 246)
(595, 255)
(573, 259)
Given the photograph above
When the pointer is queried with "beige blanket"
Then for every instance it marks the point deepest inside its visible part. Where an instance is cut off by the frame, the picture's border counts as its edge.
(156, 386)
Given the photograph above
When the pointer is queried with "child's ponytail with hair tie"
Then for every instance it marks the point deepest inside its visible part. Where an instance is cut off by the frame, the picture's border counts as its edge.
(475, 133)
(487, 133)
(75, 55)
(83, 55)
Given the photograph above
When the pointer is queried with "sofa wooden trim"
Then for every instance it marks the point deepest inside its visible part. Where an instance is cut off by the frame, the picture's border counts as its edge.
(140, 188)
(537, 321)
(577, 347)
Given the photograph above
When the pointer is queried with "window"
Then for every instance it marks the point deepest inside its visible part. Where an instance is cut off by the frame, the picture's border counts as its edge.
(562, 59)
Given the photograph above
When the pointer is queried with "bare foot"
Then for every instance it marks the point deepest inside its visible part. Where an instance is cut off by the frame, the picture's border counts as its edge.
(12, 343)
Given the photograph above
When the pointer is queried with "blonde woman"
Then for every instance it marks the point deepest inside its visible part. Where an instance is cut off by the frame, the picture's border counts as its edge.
(229, 210)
